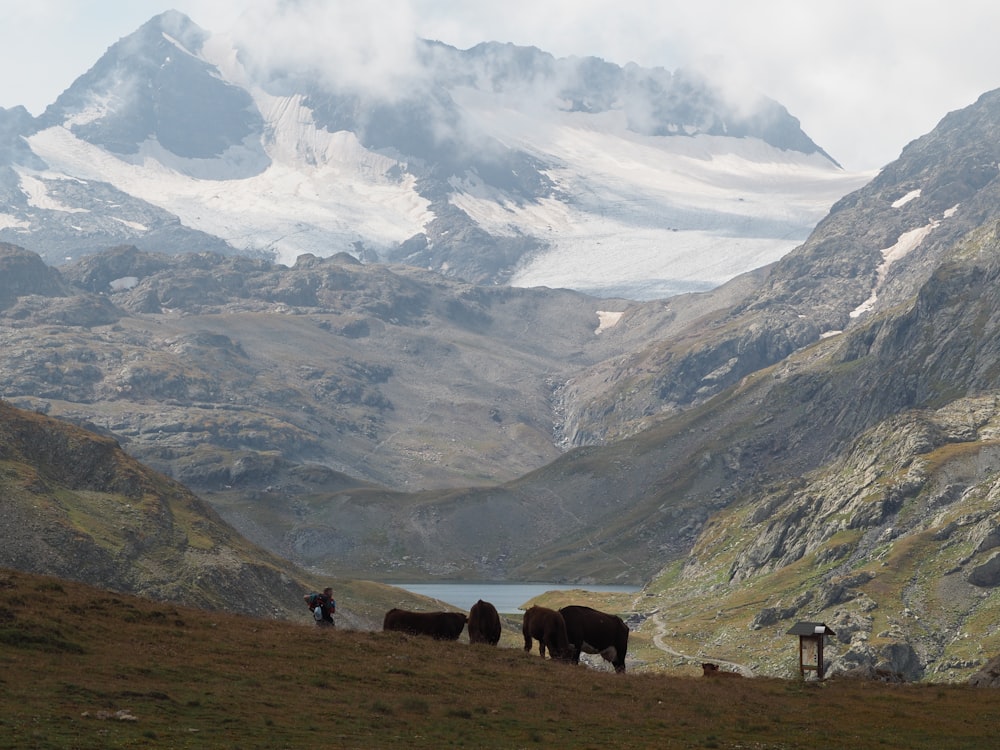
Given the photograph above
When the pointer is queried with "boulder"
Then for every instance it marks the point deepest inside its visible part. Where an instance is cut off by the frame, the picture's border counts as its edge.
(988, 676)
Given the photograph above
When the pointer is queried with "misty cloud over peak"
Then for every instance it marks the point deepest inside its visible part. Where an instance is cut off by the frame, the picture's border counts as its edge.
(395, 90)
(654, 101)
(335, 44)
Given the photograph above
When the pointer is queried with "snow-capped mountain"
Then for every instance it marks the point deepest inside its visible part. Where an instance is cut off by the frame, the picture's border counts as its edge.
(497, 164)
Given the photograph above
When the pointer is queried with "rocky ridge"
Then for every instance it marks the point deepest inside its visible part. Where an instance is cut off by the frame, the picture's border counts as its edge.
(76, 506)
(216, 369)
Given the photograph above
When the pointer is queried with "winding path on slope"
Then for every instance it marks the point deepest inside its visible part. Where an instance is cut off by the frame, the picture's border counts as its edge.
(659, 635)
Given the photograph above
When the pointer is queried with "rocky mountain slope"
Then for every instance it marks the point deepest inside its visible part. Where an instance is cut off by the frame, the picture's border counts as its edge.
(877, 247)
(220, 370)
(230, 373)
(495, 164)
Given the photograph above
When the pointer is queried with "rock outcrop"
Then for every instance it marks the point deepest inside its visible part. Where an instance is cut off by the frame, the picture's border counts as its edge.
(988, 676)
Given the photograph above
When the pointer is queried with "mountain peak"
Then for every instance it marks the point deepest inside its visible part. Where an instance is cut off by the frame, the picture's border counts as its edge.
(152, 90)
(179, 27)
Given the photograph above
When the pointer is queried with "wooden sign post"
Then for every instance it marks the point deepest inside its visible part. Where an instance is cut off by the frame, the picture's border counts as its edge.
(811, 635)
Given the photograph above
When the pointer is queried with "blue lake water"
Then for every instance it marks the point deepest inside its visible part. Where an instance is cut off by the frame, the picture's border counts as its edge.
(506, 597)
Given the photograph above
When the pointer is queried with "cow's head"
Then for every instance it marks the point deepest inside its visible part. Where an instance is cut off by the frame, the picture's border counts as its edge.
(567, 654)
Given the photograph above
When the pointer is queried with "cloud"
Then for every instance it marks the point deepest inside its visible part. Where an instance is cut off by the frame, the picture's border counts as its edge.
(370, 45)
(863, 78)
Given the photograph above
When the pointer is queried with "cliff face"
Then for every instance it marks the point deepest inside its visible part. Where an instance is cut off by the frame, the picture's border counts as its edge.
(23, 273)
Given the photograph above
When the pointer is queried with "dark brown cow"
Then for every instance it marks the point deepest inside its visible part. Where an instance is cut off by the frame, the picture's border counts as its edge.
(484, 623)
(712, 670)
(596, 632)
(548, 628)
(444, 626)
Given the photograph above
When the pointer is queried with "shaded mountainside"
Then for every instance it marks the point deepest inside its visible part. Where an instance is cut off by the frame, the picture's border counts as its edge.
(862, 486)
(77, 507)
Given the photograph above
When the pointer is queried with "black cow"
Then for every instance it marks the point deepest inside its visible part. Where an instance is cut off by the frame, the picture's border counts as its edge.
(548, 628)
(596, 632)
(484, 623)
(443, 626)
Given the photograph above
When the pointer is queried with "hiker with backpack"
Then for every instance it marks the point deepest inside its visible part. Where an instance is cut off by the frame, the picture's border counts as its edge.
(322, 606)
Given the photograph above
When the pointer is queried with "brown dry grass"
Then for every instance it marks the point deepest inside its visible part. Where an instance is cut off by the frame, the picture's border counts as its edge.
(120, 672)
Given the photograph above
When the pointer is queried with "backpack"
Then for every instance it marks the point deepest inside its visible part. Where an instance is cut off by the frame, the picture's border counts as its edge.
(318, 603)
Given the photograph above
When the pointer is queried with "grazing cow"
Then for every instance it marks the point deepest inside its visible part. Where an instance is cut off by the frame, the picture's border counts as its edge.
(484, 623)
(596, 632)
(712, 670)
(443, 626)
(548, 628)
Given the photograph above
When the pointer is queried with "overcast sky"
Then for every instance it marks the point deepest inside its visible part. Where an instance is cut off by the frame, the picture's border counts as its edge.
(864, 77)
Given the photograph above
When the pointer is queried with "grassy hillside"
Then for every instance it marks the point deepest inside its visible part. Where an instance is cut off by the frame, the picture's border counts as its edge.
(114, 671)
